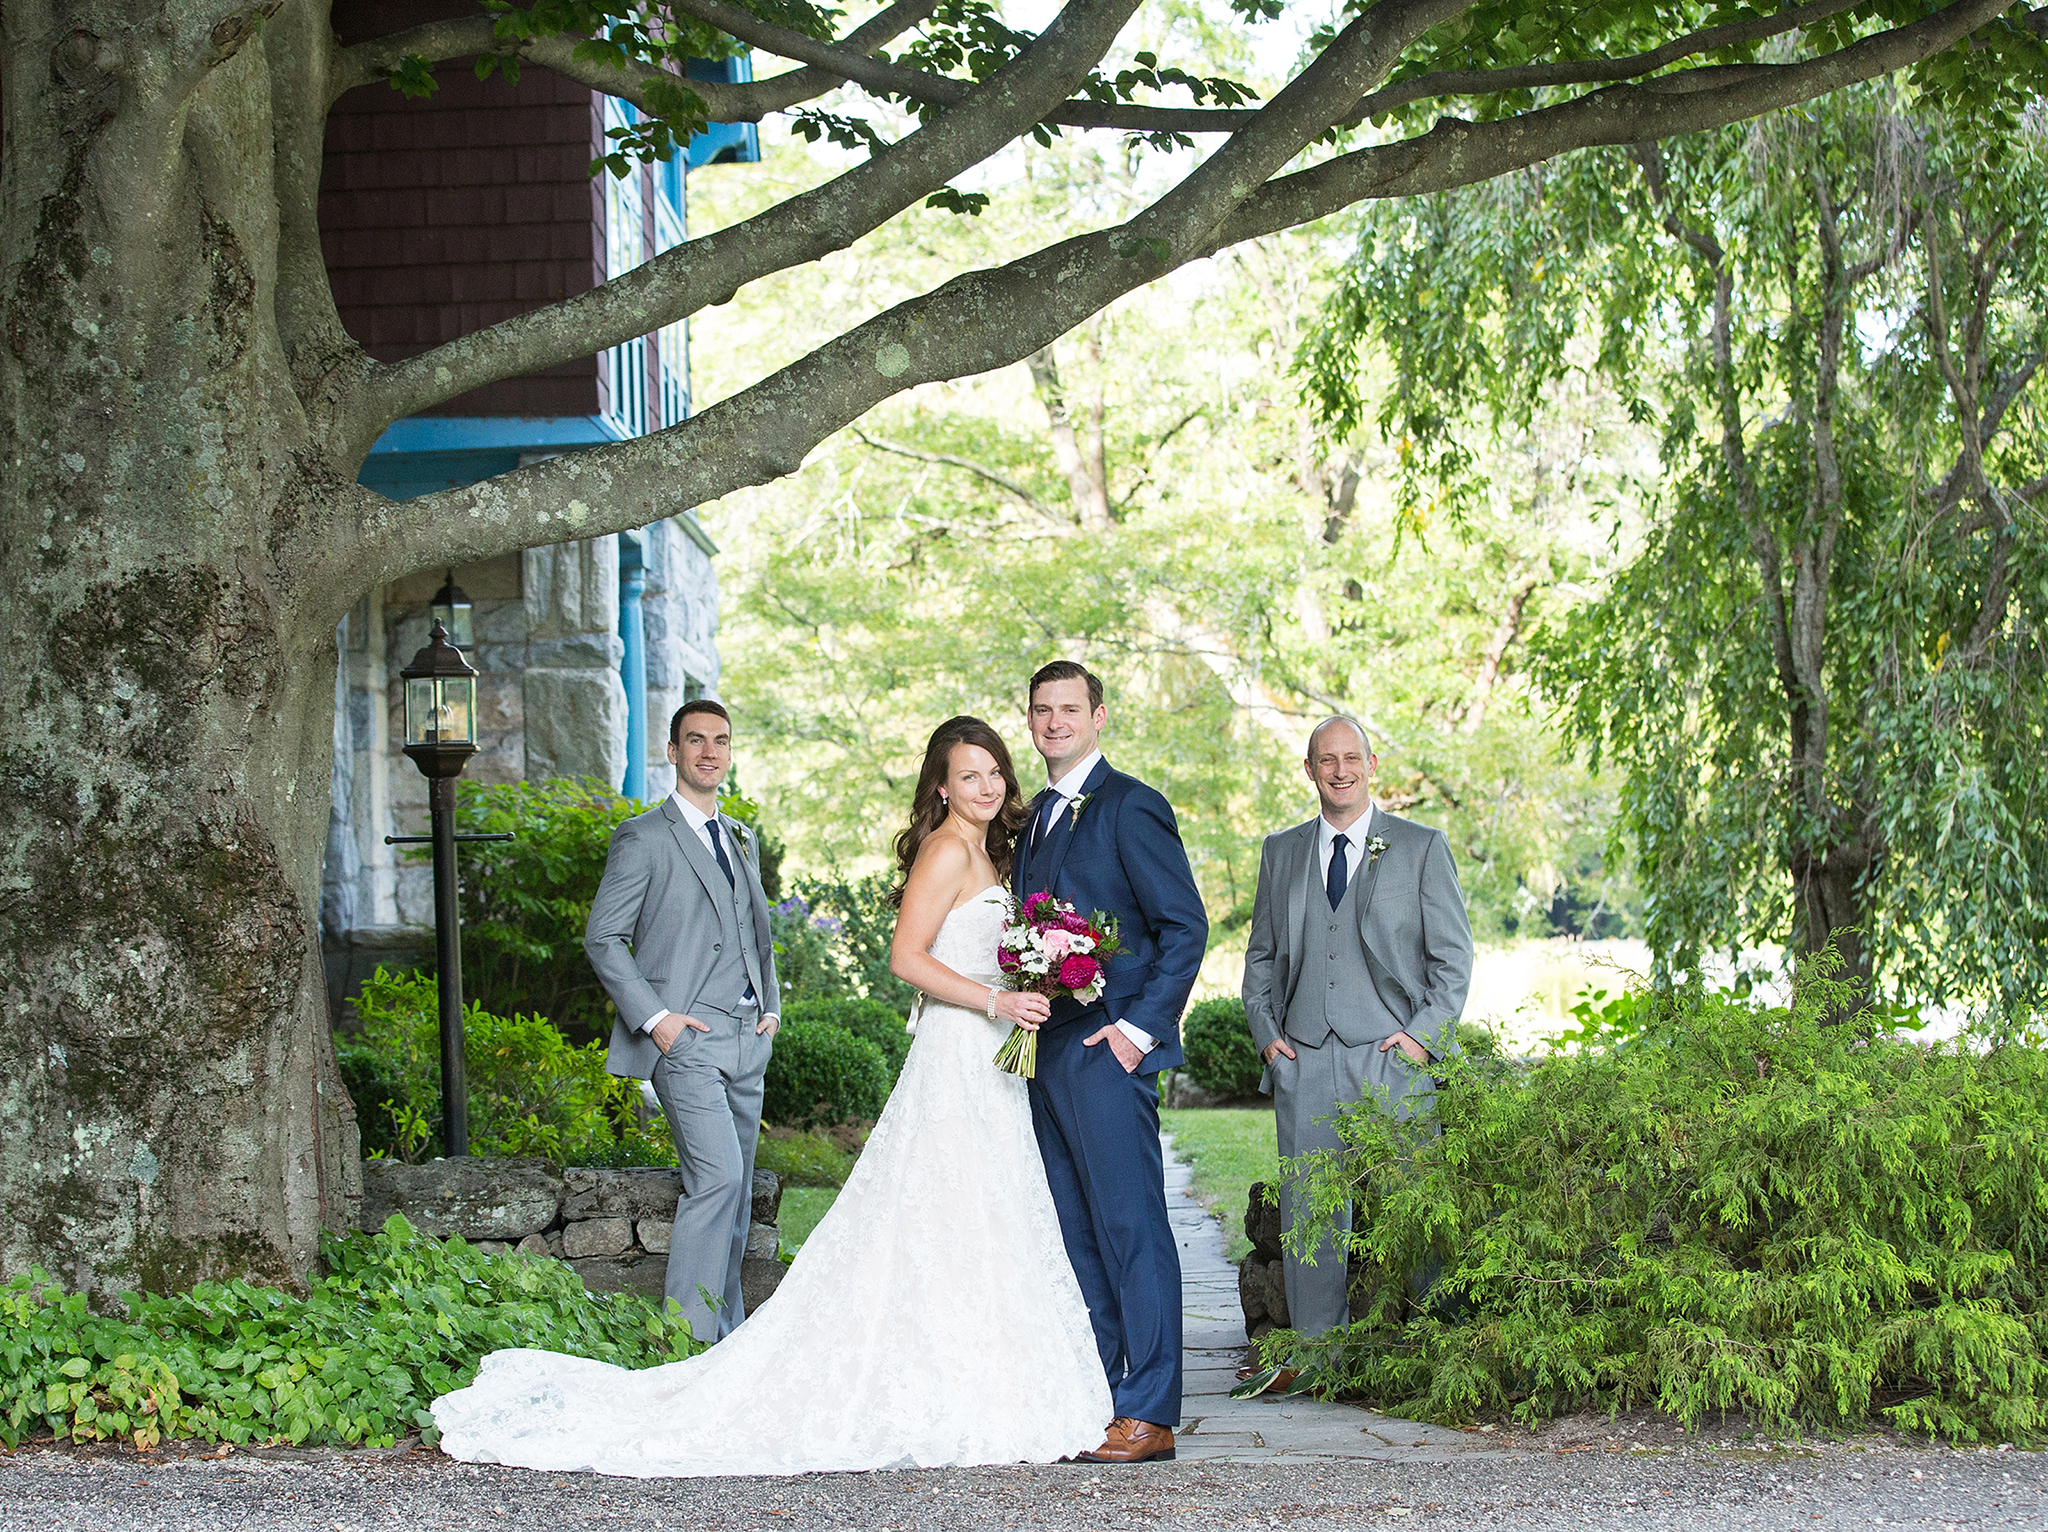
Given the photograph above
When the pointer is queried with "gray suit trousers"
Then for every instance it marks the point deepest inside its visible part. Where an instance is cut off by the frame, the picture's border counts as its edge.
(709, 1085)
(1307, 1091)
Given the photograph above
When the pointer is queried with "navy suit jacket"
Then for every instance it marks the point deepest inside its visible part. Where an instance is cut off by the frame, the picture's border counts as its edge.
(1122, 855)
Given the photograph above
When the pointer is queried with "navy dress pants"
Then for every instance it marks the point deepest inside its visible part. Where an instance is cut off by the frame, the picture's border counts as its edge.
(1098, 1131)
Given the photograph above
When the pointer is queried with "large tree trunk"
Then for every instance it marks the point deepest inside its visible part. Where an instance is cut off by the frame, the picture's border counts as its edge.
(169, 1103)
(1830, 889)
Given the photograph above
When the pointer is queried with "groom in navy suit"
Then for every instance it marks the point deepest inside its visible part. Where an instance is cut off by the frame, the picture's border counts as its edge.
(1105, 841)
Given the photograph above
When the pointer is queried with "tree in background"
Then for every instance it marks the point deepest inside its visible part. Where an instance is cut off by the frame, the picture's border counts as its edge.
(1822, 675)
(1150, 494)
(183, 416)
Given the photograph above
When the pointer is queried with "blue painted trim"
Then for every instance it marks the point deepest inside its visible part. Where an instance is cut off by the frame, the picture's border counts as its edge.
(633, 661)
(728, 143)
(500, 433)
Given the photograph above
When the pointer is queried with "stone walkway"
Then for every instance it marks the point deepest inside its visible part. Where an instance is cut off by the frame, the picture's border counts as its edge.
(1215, 1427)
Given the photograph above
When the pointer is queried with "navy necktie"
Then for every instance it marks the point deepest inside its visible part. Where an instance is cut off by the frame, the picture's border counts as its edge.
(1338, 874)
(1045, 820)
(718, 850)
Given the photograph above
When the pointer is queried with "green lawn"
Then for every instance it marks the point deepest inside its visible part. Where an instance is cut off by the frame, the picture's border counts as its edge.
(1227, 1148)
(802, 1207)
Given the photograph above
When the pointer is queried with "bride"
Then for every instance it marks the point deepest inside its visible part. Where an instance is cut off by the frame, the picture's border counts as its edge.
(932, 1318)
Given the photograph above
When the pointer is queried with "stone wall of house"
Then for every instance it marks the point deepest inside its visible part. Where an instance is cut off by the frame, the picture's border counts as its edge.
(550, 703)
(610, 1226)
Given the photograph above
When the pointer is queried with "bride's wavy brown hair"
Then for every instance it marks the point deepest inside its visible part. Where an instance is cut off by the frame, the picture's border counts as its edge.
(928, 810)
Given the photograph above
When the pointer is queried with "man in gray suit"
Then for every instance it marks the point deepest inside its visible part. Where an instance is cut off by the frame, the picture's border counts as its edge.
(678, 935)
(1357, 966)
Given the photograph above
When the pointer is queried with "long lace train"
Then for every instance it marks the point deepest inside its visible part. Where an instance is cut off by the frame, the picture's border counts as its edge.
(931, 1318)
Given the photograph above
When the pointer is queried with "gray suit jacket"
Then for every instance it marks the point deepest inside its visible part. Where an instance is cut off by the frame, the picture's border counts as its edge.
(656, 923)
(1411, 914)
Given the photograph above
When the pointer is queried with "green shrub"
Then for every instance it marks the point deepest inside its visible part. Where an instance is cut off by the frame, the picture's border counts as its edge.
(820, 1073)
(1218, 1045)
(866, 924)
(530, 1090)
(525, 901)
(809, 963)
(1705, 1204)
(802, 1159)
(863, 1018)
(352, 1362)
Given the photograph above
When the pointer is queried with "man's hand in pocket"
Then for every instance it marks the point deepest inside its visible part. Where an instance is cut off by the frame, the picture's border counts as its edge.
(670, 1027)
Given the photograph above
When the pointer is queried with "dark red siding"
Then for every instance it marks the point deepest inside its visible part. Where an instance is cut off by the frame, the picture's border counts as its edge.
(442, 216)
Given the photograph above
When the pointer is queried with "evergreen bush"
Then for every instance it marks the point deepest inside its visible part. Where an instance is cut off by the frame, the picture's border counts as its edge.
(820, 1074)
(863, 1018)
(398, 1320)
(531, 1091)
(1704, 1204)
(1218, 1045)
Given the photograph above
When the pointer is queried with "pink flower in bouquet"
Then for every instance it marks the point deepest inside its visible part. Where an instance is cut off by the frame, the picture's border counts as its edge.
(1007, 960)
(1058, 942)
(1079, 971)
(1074, 923)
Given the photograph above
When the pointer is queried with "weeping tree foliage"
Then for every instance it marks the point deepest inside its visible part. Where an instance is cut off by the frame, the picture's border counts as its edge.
(1823, 675)
(183, 417)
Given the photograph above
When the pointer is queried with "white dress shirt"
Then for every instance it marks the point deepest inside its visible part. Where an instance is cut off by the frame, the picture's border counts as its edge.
(1357, 835)
(701, 822)
(1069, 788)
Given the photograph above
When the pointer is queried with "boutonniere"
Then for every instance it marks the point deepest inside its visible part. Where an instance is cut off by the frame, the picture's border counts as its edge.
(1374, 847)
(1077, 803)
(738, 832)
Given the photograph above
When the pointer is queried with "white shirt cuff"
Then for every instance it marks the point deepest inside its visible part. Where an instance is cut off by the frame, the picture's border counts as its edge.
(1145, 1041)
(649, 1024)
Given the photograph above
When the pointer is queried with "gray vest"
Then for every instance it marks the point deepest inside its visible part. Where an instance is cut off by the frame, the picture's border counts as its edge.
(736, 964)
(1335, 993)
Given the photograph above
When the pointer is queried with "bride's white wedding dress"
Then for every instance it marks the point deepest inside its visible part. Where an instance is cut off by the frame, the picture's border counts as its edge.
(931, 1319)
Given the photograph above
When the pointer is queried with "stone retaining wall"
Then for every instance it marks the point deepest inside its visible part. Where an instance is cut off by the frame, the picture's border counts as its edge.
(1261, 1286)
(610, 1226)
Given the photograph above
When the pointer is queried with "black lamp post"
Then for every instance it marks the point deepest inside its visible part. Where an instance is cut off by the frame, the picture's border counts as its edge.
(440, 736)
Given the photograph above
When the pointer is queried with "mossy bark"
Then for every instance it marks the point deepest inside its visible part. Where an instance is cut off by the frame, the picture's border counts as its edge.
(169, 1103)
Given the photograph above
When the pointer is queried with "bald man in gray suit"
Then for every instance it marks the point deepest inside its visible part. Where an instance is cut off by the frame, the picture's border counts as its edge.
(1358, 963)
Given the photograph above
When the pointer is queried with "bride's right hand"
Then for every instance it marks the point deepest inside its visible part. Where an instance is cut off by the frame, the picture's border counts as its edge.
(1023, 1009)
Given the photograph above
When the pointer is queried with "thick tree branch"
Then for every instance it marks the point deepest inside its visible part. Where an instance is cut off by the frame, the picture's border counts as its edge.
(971, 324)
(892, 79)
(708, 270)
(469, 36)
(1458, 153)
(988, 319)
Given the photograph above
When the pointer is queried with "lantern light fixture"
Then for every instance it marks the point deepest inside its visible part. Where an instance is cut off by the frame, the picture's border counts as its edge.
(440, 707)
(451, 609)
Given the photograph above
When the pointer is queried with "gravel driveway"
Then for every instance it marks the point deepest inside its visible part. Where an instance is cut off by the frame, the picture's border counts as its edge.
(1697, 1486)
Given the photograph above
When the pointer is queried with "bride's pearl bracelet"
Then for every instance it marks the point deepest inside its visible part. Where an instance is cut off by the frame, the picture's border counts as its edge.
(992, 1002)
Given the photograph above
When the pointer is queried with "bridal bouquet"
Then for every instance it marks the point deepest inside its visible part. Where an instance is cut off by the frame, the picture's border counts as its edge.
(1048, 948)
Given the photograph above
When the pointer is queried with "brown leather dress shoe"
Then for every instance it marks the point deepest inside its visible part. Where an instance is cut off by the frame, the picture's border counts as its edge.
(1133, 1441)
